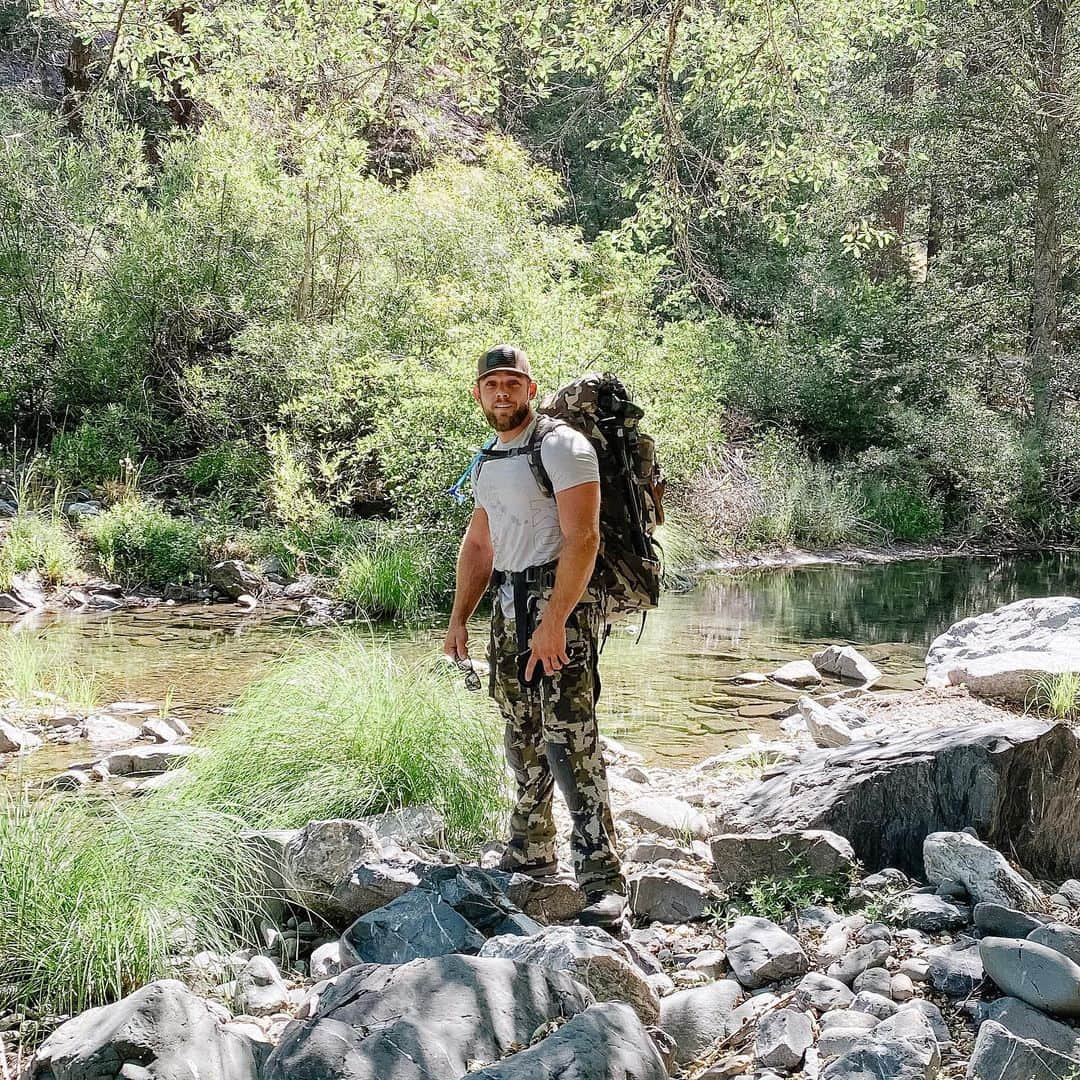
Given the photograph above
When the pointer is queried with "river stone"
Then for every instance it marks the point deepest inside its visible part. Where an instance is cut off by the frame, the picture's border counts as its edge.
(1004, 653)
(822, 993)
(848, 1019)
(667, 895)
(599, 962)
(825, 729)
(838, 1041)
(782, 1038)
(605, 1042)
(376, 1022)
(26, 588)
(14, 740)
(934, 1018)
(163, 1029)
(848, 968)
(846, 662)
(875, 980)
(1001, 1055)
(1059, 936)
(955, 969)
(896, 1059)
(886, 798)
(875, 1004)
(165, 729)
(696, 1017)
(260, 989)
(1033, 973)
(1001, 921)
(796, 673)
(102, 729)
(912, 1026)
(664, 815)
(742, 857)
(958, 856)
(1019, 1018)
(232, 578)
(901, 987)
(760, 952)
(930, 913)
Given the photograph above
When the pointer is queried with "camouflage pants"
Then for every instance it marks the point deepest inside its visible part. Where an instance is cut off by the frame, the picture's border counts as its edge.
(552, 737)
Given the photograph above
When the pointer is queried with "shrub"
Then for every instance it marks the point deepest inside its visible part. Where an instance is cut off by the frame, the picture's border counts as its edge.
(141, 544)
(41, 542)
(348, 731)
(233, 470)
(97, 448)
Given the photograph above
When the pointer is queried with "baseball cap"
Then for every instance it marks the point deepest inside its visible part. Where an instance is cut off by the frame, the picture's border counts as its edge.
(503, 358)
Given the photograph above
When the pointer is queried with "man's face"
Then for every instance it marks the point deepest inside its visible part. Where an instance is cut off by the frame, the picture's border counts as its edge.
(504, 396)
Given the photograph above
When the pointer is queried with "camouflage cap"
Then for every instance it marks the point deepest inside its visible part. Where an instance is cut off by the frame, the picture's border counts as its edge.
(503, 358)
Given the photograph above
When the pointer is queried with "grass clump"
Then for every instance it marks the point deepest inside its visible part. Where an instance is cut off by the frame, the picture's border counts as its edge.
(40, 542)
(348, 731)
(1058, 696)
(778, 897)
(36, 664)
(141, 544)
(94, 903)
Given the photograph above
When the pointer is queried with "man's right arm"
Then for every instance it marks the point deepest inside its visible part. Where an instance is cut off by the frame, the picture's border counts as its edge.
(475, 560)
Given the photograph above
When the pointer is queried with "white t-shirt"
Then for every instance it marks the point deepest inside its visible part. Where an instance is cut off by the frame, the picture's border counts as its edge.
(524, 521)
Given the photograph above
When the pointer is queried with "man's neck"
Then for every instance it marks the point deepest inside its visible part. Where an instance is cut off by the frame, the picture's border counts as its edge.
(510, 436)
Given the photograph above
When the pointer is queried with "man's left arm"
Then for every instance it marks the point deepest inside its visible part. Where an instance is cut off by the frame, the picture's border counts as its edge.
(579, 522)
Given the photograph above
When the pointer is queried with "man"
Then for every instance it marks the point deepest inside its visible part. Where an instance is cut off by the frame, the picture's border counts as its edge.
(544, 631)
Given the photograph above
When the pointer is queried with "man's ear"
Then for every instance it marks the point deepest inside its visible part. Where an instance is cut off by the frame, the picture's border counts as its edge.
(532, 390)
(476, 392)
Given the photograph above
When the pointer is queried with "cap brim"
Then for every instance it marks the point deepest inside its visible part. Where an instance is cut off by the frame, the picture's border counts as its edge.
(514, 370)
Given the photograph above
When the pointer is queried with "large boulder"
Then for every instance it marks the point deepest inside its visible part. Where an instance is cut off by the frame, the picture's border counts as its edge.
(1019, 1018)
(1015, 782)
(1001, 1055)
(1033, 973)
(695, 1017)
(605, 1042)
(668, 894)
(1004, 653)
(162, 1030)
(984, 873)
(428, 1018)
(742, 857)
(234, 579)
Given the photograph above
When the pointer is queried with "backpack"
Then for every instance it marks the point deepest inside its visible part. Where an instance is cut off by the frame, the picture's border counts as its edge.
(628, 567)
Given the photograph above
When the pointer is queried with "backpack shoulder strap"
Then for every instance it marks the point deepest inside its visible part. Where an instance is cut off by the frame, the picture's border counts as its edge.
(544, 426)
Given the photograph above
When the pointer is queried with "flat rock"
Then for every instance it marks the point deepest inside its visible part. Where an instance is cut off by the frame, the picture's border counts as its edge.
(846, 662)
(102, 730)
(667, 895)
(1019, 1018)
(1033, 973)
(1001, 921)
(984, 873)
(741, 857)
(605, 1042)
(955, 969)
(405, 1022)
(1001, 1055)
(664, 815)
(931, 914)
(796, 673)
(147, 760)
(782, 1039)
(760, 952)
(885, 799)
(696, 1017)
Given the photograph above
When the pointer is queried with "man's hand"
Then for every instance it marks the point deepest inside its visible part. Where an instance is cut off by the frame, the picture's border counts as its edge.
(456, 642)
(548, 647)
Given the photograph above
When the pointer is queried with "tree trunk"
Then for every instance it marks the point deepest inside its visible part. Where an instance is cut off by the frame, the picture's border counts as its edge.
(1046, 283)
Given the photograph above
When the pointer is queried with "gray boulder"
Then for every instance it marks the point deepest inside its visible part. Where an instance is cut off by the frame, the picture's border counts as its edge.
(760, 952)
(664, 815)
(1002, 921)
(930, 913)
(605, 1042)
(782, 1039)
(1033, 973)
(694, 1018)
(162, 1029)
(824, 727)
(955, 969)
(886, 798)
(591, 955)
(742, 857)
(1004, 653)
(846, 662)
(875, 1004)
(850, 966)
(406, 1022)
(232, 578)
(897, 1059)
(984, 873)
(1021, 1020)
(1001, 1055)
(819, 992)
(667, 895)
(409, 825)
(1061, 937)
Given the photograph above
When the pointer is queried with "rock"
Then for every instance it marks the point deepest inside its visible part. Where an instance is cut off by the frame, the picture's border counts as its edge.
(834, 943)
(103, 729)
(405, 1021)
(930, 913)
(915, 968)
(760, 952)
(875, 1004)
(165, 729)
(696, 1017)
(934, 1018)
(651, 849)
(742, 857)
(901, 987)
(713, 962)
(912, 1026)
(326, 960)
(782, 1038)
(982, 870)
(547, 900)
(1061, 937)
(163, 1029)
(848, 1019)
(1071, 891)
(147, 760)
(14, 740)
(838, 1041)
(886, 798)
(232, 578)
(896, 1059)
(849, 967)
(27, 590)
(1021, 1020)
(846, 662)
(592, 956)
(664, 815)
(410, 825)
(1004, 653)
(825, 729)
(822, 993)
(955, 969)
(260, 989)
(1033, 973)
(875, 980)
(78, 509)
(797, 673)
(667, 895)
(1001, 921)
(605, 1042)
(749, 678)
(1001, 1055)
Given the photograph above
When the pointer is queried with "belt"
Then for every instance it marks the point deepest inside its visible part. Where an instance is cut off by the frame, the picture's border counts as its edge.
(526, 585)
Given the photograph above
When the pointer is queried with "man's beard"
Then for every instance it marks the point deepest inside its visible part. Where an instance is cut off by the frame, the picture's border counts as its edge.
(503, 421)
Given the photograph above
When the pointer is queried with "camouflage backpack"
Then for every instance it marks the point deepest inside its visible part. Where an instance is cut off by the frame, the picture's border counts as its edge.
(628, 568)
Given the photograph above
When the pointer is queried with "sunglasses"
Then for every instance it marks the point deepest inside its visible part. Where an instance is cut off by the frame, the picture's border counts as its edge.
(472, 676)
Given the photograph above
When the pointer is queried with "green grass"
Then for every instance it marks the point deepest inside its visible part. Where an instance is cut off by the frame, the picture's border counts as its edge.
(1058, 696)
(41, 542)
(777, 898)
(141, 544)
(95, 899)
(31, 663)
(347, 731)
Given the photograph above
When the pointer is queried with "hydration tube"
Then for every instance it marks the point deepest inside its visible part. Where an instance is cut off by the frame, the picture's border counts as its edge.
(457, 492)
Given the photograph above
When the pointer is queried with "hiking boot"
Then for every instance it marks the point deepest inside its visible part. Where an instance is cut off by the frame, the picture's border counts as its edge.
(606, 910)
(536, 869)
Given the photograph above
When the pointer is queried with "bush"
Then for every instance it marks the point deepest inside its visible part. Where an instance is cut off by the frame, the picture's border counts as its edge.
(40, 542)
(234, 470)
(347, 731)
(141, 544)
(97, 449)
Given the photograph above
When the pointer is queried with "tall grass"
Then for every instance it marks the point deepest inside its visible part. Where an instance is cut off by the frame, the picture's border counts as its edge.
(1059, 696)
(348, 731)
(94, 900)
(32, 664)
(41, 542)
